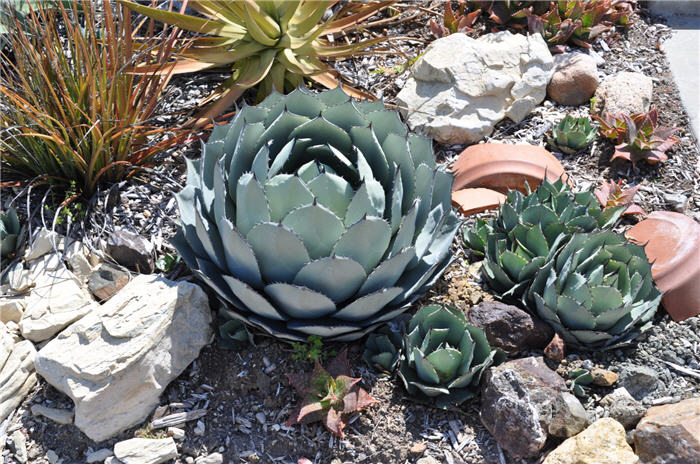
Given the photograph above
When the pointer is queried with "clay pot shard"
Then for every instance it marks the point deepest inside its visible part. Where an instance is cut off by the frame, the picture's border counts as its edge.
(502, 167)
(475, 200)
(672, 244)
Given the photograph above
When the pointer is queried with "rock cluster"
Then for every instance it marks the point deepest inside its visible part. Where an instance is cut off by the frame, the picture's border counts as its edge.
(459, 97)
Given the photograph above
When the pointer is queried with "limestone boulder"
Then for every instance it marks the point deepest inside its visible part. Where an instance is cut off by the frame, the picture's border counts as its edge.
(603, 442)
(115, 362)
(461, 87)
(624, 92)
(17, 375)
(670, 434)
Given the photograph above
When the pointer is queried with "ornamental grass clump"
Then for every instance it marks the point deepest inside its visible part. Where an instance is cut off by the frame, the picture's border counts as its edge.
(72, 116)
(273, 45)
(444, 357)
(597, 292)
(529, 230)
(314, 214)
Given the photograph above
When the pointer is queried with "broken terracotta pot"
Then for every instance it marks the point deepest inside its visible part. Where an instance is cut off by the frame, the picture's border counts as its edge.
(672, 244)
(502, 167)
(475, 200)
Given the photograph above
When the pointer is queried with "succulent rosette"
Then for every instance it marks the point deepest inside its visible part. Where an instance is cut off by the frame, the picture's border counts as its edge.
(314, 214)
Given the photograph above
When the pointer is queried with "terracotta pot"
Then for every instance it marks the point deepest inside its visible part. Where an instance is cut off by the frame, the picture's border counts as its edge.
(475, 200)
(502, 167)
(672, 244)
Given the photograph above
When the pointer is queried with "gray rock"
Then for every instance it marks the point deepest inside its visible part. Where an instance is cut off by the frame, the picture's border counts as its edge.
(106, 281)
(17, 375)
(670, 434)
(145, 450)
(506, 327)
(19, 446)
(98, 456)
(575, 79)
(115, 362)
(625, 92)
(568, 417)
(623, 407)
(61, 416)
(44, 241)
(52, 456)
(131, 250)
(76, 255)
(640, 381)
(517, 404)
(213, 458)
(461, 87)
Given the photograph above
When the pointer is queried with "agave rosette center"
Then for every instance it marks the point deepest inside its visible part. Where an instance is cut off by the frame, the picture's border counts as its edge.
(316, 215)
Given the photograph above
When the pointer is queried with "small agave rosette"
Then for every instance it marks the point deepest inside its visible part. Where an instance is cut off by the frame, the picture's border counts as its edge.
(313, 214)
(383, 350)
(444, 357)
(597, 292)
(572, 135)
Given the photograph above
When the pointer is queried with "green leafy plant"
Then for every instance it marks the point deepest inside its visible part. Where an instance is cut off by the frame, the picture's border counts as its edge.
(572, 135)
(579, 22)
(444, 357)
(270, 44)
(597, 292)
(167, 262)
(580, 378)
(313, 214)
(312, 350)
(383, 350)
(72, 114)
(11, 233)
(328, 395)
(528, 231)
(638, 137)
(459, 20)
(612, 195)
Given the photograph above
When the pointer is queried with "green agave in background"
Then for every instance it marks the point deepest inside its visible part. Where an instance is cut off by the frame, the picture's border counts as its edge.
(598, 292)
(444, 357)
(10, 233)
(314, 214)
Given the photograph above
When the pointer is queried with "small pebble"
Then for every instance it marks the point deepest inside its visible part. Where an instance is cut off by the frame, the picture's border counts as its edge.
(176, 433)
(189, 459)
(603, 377)
(260, 417)
(98, 456)
(52, 456)
(417, 448)
(199, 428)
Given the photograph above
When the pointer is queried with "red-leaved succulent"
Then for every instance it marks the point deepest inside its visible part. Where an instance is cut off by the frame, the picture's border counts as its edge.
(637, 137)
(459, 20)
(611, 194)
(328, 395)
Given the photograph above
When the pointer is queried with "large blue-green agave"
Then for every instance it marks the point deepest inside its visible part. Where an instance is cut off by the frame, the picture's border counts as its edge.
(314, 214)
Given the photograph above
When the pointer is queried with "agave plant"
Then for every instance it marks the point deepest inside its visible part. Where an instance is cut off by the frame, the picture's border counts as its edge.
(234, 335)
(529, 230)
(383, 350)
(316, 215)
(598, 292)
(572, 135)
(271, 44)
(10, 233)
(611, 195)
(638, 137)
(444, 356)
(329, 395)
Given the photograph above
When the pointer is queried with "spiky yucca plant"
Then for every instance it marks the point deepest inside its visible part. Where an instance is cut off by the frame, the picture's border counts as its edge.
(572, 135)
(316, 215)
(444, 356)
(529, 230)
(597, 292)
(270, 44)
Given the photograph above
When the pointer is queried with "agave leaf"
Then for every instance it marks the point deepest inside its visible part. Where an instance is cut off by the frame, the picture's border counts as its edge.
(352, 243)
(318, 228)
(300, 302)
(252, 299)
(240, 258)
(280, 252)
(324, 274)
(388, 272)
(368, 305)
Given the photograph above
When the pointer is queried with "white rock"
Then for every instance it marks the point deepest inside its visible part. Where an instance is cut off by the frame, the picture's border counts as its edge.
(76, 255)
(199, 429)
(19, 444)
(112, 460)
(213, 458)
(176, 433)
(115, 362)
(17, 375)
(624, 92)
(56, 301)
(145, 450)
(44, 242)
(52, 456)
(61, 416)
(461, 87)
(11, 309)
(98, 456)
